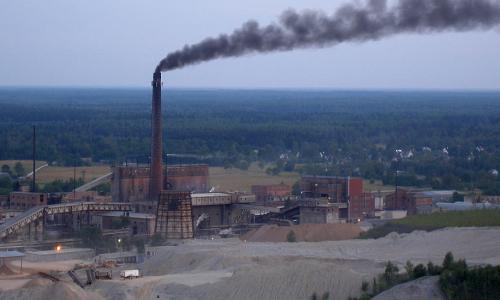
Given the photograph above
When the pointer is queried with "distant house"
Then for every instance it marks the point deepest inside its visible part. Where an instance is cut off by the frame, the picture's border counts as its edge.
(491, 199)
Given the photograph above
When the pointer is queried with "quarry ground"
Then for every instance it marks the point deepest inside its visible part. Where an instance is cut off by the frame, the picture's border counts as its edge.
(234, 269)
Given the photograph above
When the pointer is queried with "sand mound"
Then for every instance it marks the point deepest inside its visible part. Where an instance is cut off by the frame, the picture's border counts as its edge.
(173, 261)
(37, 282)
(303, 233)
(56, 291)
(6, 271)
(423, 288)
(297, 279)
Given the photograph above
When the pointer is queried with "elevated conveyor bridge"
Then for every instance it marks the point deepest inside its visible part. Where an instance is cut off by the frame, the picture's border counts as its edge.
(36, 213)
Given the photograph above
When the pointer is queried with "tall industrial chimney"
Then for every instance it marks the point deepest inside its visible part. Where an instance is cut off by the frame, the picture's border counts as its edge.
(156, 139)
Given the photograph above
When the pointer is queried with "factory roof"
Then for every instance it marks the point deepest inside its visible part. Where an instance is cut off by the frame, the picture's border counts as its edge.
(11, 254)
(132, 215)
(202, 195)
(437, 193)
(62, 250)
(329, 177)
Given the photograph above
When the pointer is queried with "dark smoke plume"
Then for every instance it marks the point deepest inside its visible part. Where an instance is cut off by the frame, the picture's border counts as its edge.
(371, 20)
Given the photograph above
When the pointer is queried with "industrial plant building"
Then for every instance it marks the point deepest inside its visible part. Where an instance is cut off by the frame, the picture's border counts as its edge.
(26, 200)
(414, 201)
(132, 184)
(139, 223)
(271, 192)
(344, 194)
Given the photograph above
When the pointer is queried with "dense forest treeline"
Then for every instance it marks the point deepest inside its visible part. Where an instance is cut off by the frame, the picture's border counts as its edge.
(438, 139)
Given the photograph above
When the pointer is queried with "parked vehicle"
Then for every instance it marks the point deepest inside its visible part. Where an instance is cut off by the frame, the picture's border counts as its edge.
(103, 274)
(129, 274)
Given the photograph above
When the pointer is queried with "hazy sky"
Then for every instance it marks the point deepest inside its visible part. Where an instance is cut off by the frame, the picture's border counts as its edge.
(118, 43)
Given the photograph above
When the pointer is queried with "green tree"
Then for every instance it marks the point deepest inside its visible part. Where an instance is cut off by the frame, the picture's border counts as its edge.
(296, 189)
(419, 271)
(6, 185)
(365, 286)
(448, 261)
(409, 269)
(457, 197)
(290, 237)
(19, 169)
(390, 273)
(6, 169)
(433, 269)
(140, 245)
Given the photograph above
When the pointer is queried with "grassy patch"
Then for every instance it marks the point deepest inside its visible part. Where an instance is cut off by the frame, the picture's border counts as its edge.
(233, 179)
(27, 164)
(474, 218)
(376, 185)
(50, 174)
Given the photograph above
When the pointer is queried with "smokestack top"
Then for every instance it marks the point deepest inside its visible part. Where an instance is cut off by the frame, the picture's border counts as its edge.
(156, 78)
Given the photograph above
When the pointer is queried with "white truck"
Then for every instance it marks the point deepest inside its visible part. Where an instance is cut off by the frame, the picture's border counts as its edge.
(129, 274)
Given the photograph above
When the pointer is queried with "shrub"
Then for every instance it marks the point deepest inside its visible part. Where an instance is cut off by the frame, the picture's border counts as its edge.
(391, 273)
(364, 286)
(290, 237)
(157, 240)
(433, 269)
(448, 261)
(419, 271)
(409, 269)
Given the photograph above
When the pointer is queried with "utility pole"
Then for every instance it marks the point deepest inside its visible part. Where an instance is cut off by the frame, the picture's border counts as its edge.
(396, 197)
(74, 180)
(33, 185)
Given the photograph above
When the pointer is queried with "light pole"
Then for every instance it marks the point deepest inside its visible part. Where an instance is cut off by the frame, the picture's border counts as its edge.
(120, 245)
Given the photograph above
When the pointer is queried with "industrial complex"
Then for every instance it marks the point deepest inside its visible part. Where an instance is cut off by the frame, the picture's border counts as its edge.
(176, 201)
(161, 217)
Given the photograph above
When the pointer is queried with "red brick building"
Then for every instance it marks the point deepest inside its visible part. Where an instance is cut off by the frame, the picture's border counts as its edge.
(26, 200)
(399, 200)
(420, 204)
(269, 193)
(411, 200)
(336, 189)
(191, 178)
(362, 206)
(131, 184)
(346, 192)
